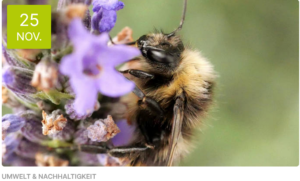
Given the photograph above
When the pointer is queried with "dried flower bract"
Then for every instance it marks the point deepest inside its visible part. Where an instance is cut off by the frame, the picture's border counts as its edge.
(53, 123)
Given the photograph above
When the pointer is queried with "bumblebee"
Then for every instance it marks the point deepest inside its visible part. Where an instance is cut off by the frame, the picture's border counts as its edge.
(174, 86)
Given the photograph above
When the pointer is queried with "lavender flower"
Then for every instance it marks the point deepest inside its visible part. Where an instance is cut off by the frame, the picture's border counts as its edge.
(107, 4)
(105, 14)
(10, 100)
(11, 59)
(18, 80)
(91, 67)
(27, 149)
(11, 123)
(103, 130)
(74, 115)
(32, 130)
(9, 144)
(15, 160)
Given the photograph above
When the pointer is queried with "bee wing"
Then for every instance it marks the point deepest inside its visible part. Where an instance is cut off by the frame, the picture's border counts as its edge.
(176, 127)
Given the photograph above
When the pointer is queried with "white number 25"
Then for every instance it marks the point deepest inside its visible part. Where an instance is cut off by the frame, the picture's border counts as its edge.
(32, 18)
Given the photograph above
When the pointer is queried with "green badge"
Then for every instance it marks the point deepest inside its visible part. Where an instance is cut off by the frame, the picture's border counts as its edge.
(29, 27)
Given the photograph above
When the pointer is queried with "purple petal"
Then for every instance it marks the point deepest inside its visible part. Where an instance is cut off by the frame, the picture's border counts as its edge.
(70, 65)
(96, 19)
(69, 107)
(12, 123)
(124, 137)
(120, 5)
(86, 94)
(11, 142)
(106, 4)
(16, 160)
(18, 80)
(77, 32)
(108, 21)
(100, 42)
(113, 84)
(118, 54)
(33, 131)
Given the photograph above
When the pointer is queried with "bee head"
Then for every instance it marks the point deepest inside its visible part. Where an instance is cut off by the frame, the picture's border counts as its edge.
(161, 50)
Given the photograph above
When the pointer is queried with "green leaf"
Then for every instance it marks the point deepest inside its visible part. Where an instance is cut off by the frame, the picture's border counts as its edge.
(56, 144)
(53, 95)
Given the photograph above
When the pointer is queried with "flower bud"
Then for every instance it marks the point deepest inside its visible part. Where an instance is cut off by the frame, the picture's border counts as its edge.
(10, 143)
(28, 149)
(10, 100)
(45, 75)
(15, 160)
(11, 59)
(32, 130)
(96, 18)
(11, 123)
(18, 80)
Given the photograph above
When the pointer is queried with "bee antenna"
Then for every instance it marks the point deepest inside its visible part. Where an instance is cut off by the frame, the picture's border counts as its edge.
(182, 20)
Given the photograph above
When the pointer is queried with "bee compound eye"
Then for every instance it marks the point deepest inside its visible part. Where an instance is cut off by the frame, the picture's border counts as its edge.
(142, 40)
(159, 56)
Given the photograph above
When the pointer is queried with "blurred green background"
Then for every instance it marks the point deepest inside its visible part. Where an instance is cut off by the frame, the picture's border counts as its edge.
(254, 48)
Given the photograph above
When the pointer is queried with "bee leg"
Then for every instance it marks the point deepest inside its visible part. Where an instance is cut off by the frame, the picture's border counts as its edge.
(147, 102)
(93, 149)
(151, 105)
(138, 73)
(128, 151)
